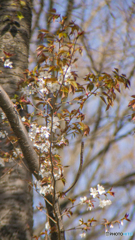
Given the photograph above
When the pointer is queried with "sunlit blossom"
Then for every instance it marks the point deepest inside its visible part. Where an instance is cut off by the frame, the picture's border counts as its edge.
(28, 90)
(8, 64)
(33, 131)
(43, 147)
(43, 172)
(55, 123)
(104, 203)
(44, 190)
(94, 192)
(57, 175)
(89, 207)
(3, 116)
(65, 75)
(47, 226)
(3, 134)
(17, 152)
(100, 189)
(44, 132)
(2, 163)
(44, 86)
(23, 119)
(83, 200)
(83, 235)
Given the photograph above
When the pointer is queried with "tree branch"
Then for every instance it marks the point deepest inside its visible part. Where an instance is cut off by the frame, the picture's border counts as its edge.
(20, 131)
(79, 170)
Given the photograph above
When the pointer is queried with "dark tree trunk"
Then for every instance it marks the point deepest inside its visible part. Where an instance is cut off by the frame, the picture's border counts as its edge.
(16, 210)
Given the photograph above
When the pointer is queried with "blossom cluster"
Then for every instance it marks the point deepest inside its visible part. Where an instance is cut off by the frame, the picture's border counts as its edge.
(45, 173)
(17, 152)
(39, 135)
(95, 193)
(44, 190)
(3, 116)
(49, 86)
(46, 85)
(3, 134)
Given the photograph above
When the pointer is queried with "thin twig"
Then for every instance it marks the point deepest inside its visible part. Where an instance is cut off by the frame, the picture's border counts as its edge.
(79, 170)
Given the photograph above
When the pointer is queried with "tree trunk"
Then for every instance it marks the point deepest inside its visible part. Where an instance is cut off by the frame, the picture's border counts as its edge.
(16, 211)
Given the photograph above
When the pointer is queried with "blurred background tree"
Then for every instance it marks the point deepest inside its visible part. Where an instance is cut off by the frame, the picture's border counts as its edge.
(109, 155)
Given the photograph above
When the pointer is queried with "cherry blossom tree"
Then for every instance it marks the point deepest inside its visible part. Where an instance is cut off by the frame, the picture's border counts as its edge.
(58, 102)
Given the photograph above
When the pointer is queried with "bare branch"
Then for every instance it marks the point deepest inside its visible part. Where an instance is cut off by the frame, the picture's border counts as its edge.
(79, 170)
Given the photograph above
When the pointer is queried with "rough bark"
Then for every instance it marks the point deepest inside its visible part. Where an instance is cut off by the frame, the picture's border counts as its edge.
(15, 195)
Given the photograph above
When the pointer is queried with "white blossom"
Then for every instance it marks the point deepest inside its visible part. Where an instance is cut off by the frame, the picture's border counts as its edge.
(23, 119)
(104, 203)
(101, 189)
(28, 90)
(67, 72)
(43, 172)
(55, 123)
(82, 235)
(66, 75)
(41, 83)
(44, 190)
(33, 131)
(83, 200)
(3, 134)
(62, 141)
(57, 176)
(111, 226)
(47, 226)
(3, 116)
(44, 132)
(17, 152)
(89, 207)
(2, 163)
(53, 86)
(8, 64)
(44, 90)
(43, 147)
(94, 192)
(122, 222)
